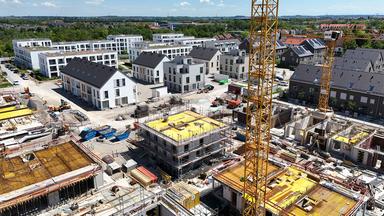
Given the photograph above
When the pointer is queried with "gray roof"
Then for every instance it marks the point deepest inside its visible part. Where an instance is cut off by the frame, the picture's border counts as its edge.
(360, 81)
(149, 59)
(203, 53)
(315, 43)
(94, 74)
(352, 64)
(301, 51)
(366, 54)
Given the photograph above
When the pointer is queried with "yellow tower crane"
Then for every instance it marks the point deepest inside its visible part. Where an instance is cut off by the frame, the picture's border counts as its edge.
(263, 32)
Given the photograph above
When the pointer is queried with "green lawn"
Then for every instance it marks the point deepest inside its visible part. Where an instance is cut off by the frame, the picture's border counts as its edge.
(4, 82)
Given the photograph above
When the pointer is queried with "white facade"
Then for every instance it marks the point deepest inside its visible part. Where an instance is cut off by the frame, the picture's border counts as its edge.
(33, 42)
(167, 37)
(28, 57)
(125, 42)
(171, 51)
(212, 66)
(119, 90)
(235, 64)
(150, 75)
(85, 45)
(194, 42)
(223, 45)
(72, 46)
(52, 63)
(184, 75)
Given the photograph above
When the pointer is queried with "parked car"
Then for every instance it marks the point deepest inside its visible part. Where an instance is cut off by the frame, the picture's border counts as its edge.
(283, 83)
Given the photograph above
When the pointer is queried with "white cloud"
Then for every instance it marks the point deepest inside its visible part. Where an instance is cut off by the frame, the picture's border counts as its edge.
(16, 1)
(48, 4)
(2, 1)
(94, 2)
(205, 1)
(185, 4)
(221, 3)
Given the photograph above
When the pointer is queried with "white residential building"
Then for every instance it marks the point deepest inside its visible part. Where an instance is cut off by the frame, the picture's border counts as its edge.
(28, 57)
(208, 56)
(149, 67)
(125, 42)
(235, 64)
(166, 37)
(171, 51)
(52, 63)
(72, 46)
(32, 42)
(101, 86)
(194, 42)
(223, 45)
(183, 75)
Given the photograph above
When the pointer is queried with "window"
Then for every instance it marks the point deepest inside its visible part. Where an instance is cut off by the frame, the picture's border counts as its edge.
(187, 79)
(201, 70)
(343, 96)
(363, 99)
(351, 97)
(117, 92)
(157, 73)
(52, 61)
(123, 81)
(53, 68)
(333, 94)
(124, 100)
(198, 78)
(118, 83)
(372, 101)
(106, 94)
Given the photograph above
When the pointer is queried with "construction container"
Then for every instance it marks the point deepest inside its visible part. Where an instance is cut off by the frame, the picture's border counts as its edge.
(148, 173)
(129, 165)
(88, 134)
(140, 177)
(108, 133)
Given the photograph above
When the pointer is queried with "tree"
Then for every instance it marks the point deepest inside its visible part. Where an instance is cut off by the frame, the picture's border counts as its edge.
(350, 44)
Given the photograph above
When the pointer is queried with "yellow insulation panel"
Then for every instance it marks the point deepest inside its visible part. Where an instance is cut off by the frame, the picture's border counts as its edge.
(15, 114)
(185, 125)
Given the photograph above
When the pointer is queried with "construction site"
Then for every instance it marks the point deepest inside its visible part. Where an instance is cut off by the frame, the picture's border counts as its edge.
(235, 150)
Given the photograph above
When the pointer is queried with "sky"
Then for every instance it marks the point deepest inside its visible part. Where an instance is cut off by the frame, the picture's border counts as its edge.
(182, 7)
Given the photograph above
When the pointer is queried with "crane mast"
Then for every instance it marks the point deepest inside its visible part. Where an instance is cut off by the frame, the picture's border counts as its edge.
(263, 36)
(326, 77)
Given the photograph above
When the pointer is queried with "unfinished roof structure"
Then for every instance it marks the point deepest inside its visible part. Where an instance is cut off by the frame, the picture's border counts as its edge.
(185, 125)
(293, 191)
(43, 174)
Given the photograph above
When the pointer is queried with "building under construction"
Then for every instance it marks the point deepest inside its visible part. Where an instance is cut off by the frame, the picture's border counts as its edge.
(184, 141)
(346, 140)
(292, 191)
(31, 181)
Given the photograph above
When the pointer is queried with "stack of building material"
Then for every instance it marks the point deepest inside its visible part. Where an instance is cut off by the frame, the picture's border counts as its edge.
(286, 155)
(185, 194)
(144, 176)
(149, 174)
